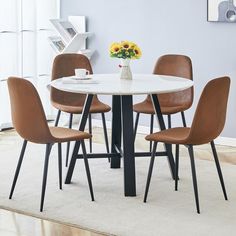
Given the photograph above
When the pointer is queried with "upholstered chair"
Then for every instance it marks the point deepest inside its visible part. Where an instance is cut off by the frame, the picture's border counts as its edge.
(29, 120)
(208, 122)
(72, 103)
(171, 103)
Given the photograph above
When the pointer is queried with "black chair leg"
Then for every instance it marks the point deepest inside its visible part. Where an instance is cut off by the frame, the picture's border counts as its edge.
(169, 127)
(183, 119)
(218, 169)
(151, 130)
(45, 173)
(136, 124)
(169, 121)
(105, 132)
(90, 131)
(18, 168)
(194, 177)
(176, 166)
(68, 143)
(58, 117)
(60, 165)
(150, 171)
(87, 170)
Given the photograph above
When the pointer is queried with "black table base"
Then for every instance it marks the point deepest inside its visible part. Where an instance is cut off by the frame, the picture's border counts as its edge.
(122, 140)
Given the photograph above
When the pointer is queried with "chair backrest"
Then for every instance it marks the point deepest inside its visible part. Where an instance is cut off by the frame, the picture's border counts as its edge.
(209, 118)
(65, 65)
(27, 112)
(180, 66)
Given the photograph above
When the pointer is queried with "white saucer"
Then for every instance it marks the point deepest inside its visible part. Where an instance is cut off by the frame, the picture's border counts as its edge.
(76, 80)
(87, 77)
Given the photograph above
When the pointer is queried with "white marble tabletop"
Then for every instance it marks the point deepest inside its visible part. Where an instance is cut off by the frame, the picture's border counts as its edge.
(111, 84)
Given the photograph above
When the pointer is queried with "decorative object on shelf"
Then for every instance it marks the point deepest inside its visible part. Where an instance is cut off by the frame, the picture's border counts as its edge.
(126, 51)
(72, 36)
(57, 43)
(64, 28)
(222, 10)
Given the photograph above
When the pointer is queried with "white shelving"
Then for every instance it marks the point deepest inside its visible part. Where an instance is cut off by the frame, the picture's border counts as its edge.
(71, 36)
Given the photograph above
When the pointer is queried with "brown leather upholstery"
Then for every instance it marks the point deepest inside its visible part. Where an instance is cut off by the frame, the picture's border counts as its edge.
(65, 65)
(171, 103)
(61, 135)
(208, 121)
(29, 118)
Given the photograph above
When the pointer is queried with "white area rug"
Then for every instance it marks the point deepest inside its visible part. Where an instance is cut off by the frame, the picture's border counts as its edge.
(166, 213)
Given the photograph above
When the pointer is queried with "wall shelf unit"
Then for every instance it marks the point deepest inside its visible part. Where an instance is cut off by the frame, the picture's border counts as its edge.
(71, 36)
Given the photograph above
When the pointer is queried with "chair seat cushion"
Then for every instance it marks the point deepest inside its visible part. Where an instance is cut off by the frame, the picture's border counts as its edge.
(60, 134)
(146, 107)
(96, 107)
(172, 136)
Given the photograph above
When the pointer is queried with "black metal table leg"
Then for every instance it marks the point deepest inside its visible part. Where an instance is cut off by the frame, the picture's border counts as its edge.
(157, 109)
(116, 130)
(83, 121)
(128, 145)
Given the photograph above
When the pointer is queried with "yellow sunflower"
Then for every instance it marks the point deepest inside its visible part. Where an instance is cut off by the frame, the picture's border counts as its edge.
(125, 44)
(138, 52)
(132, 45)
(125, 49)
(115, 48)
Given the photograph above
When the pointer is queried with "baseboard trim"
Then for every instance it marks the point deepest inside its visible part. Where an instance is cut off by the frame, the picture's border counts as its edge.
(5, 126)
(224, 141)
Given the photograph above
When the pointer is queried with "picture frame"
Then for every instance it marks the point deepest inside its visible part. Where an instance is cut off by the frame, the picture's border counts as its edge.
(221, 11)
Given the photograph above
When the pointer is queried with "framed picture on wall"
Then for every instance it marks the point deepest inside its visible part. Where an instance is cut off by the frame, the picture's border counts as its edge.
(221, 10)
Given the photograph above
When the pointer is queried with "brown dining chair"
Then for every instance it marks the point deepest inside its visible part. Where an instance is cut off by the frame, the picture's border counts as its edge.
(72, 103)
(208, 122)
(171, 103)
(29, 120)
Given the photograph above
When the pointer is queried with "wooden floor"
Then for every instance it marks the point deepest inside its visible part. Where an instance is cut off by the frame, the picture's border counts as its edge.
(14, 224)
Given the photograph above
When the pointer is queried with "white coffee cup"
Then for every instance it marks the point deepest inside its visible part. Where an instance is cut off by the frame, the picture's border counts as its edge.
(81, 73)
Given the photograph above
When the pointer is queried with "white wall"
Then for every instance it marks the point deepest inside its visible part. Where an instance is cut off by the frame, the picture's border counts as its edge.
(160, 27)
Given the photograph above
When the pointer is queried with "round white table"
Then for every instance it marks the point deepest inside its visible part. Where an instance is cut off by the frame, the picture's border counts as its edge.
(122, 115)
(111, 84)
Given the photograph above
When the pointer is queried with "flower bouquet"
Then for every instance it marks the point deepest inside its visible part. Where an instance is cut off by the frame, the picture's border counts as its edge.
(126, 51)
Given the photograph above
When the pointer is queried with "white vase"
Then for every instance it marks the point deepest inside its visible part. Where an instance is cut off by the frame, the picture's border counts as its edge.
(125, 72)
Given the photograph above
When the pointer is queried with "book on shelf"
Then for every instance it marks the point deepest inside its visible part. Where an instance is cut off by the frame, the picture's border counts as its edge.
(64, 28)
(57, 43)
